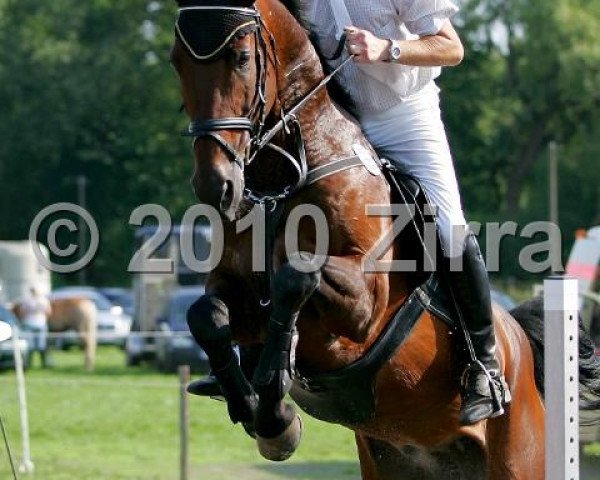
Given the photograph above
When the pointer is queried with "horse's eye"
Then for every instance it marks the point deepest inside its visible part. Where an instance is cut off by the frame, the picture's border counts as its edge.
(243, 60)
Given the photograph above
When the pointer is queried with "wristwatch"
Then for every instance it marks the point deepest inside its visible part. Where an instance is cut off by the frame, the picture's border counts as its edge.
(394, 51)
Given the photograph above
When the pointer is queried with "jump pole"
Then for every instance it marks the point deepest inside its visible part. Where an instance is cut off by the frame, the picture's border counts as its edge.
(561, 370)
(184, 415)
(26, 465)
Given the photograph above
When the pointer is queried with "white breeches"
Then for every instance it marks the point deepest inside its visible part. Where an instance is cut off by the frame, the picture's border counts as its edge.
(412, 137)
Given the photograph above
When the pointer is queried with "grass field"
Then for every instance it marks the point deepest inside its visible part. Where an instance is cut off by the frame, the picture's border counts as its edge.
(122, 424)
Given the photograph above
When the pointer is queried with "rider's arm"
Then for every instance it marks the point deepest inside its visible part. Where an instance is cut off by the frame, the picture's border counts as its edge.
(441, 49)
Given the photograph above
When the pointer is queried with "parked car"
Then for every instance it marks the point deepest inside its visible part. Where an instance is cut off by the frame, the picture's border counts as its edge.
(113, 324)
(7, 359)
(174, 344)
(121, 297)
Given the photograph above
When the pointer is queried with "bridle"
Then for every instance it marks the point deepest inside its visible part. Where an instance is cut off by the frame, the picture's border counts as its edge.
(198, 128)
(250, 22)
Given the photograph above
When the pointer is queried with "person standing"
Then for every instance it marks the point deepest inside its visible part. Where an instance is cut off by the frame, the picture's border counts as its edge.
(34, 311)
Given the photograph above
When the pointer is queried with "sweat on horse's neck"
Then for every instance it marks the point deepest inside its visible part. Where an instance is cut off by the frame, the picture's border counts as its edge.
(328, 131)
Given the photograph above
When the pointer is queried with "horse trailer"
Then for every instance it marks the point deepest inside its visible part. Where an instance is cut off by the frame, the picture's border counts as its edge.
(153, 282)
(20, 270)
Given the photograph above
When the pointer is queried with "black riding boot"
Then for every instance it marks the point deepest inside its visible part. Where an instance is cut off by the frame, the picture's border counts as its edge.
(484, 390)
(209, 386)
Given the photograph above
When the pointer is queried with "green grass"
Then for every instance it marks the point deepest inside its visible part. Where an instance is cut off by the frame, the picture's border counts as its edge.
(122, 423)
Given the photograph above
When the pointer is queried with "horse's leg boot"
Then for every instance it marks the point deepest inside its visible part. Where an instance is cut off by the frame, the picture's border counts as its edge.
(208, 319)
(483, 388)
(290, 290)
(209, 386)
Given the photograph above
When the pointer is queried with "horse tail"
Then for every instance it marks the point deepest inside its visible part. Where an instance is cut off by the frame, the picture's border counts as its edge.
(530, 316)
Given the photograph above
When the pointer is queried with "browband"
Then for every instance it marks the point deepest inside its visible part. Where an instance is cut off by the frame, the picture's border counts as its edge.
(206, 31)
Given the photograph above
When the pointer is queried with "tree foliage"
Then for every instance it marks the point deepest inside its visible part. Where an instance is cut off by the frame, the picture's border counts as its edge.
(86, 88)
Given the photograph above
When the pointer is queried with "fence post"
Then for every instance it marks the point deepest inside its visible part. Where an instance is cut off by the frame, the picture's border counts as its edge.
(561, 372)
(184, 378)
(26, 465)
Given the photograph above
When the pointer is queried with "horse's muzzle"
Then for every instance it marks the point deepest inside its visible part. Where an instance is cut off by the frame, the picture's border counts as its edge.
(222, 193)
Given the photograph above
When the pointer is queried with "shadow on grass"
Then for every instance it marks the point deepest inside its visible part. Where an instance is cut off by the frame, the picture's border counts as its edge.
(298, 470)
(590, 467)
(333, 469)
(110, 362)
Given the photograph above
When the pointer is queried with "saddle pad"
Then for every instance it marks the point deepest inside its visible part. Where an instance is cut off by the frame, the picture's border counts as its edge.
(206, 31)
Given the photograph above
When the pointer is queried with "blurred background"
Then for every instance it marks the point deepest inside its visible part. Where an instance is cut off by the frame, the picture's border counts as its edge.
(86, 90)
(90, 114)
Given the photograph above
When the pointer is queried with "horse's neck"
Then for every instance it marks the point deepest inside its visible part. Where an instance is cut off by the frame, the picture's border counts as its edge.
(329, 131)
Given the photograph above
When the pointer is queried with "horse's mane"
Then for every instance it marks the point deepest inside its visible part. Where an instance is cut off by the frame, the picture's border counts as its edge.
(298, 9)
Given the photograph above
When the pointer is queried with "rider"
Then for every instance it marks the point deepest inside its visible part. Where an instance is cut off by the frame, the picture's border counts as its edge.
(399, 48)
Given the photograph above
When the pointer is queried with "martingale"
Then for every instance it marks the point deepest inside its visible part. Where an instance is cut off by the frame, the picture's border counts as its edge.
(207, 31)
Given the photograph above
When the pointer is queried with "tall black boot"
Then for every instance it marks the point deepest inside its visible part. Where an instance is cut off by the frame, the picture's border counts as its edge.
(484, 390)
(209, 386)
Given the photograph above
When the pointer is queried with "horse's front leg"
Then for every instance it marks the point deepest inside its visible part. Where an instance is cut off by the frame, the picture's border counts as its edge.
(208, 320)
(278, 427)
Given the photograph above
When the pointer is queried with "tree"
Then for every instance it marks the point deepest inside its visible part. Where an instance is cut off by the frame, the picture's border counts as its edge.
(533, 76)
(86, 89)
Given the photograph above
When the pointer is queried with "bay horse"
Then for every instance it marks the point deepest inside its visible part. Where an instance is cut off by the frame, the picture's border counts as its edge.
(325, 321)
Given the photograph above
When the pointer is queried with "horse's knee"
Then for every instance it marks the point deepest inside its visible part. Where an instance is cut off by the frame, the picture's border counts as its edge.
(208, 319)
(292, 286)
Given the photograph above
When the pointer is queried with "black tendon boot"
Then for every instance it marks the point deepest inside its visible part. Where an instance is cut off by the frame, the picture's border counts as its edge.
(209, 386)
(483, 388)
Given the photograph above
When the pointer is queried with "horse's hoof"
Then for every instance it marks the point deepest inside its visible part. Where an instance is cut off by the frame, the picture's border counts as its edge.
(282, 447)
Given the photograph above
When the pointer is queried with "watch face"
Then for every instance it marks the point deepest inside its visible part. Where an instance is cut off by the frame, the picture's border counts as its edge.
(395, 52)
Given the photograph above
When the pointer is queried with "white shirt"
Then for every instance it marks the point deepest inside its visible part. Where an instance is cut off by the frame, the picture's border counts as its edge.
(380, 86)
(34, 311)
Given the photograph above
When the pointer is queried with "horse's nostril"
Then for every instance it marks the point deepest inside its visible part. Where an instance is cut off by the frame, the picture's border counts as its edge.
(227, 198)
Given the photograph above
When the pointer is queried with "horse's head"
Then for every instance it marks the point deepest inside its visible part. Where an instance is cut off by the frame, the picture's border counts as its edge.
(221, 54)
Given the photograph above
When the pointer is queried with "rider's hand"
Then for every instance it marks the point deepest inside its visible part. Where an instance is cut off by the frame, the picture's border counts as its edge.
(366, 47)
